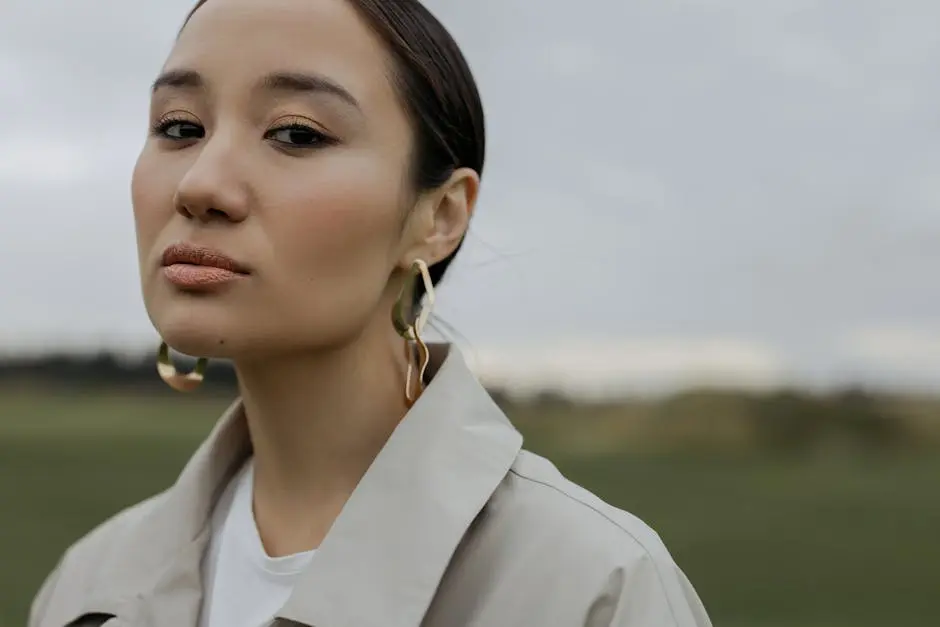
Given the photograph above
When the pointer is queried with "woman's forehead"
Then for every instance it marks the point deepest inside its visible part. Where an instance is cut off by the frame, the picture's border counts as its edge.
(247, 39)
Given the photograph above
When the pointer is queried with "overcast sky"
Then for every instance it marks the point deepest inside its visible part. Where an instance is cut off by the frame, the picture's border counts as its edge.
(675, 189)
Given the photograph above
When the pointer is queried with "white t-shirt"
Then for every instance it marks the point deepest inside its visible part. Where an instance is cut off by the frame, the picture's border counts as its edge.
(244, 586)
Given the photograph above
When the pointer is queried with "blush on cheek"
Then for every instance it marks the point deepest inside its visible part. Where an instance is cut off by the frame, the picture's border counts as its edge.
(153, 188)
(349, 208)
(333, 251)
(339, 233)
(148, 221)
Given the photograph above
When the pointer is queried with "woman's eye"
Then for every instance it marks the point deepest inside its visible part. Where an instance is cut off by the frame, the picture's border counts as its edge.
(298, 135)
(181, 130)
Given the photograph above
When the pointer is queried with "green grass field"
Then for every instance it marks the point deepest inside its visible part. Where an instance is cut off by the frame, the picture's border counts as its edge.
(833, 540)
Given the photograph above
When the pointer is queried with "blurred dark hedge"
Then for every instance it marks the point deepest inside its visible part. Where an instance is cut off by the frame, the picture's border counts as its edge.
(788, 421)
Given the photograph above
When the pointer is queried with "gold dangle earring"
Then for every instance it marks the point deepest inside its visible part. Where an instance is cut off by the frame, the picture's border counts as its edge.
(179, 381)
(411, 331)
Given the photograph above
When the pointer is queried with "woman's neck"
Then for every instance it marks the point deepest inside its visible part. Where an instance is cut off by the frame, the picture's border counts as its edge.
(317, 422)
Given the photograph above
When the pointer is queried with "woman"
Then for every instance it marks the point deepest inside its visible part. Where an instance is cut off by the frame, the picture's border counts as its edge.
(310, 173)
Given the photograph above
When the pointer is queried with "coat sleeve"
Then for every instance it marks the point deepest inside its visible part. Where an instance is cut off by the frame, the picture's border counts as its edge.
(651, 593)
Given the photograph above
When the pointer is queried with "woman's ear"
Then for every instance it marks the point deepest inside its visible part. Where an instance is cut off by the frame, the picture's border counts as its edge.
(441, 218)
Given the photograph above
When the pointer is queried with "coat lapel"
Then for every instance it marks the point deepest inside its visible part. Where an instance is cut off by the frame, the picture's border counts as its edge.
(146, 568)
(385, 555)
(182, 526)
(383, 559)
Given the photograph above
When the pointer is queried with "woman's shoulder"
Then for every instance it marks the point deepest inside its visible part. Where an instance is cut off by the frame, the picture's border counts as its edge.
(547, 489)
(577, 549)
(108, 537)
(73, 579)
(536, 490)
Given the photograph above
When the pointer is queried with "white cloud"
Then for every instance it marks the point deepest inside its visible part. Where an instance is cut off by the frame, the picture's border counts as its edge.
(898, 348)
(12, 75)
(635, 188)
(42, 160)
(900, 357)
(811, 58)
(645, 365)
(45, 159)
(574, 58)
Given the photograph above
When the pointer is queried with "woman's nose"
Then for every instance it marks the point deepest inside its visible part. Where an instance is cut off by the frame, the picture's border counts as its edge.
(213, 187)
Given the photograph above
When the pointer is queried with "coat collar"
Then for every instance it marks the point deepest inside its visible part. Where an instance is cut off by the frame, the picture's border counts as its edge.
(385, 555)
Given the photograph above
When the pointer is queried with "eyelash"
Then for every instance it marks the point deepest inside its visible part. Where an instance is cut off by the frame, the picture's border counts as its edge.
(320, 139)
(161, 126)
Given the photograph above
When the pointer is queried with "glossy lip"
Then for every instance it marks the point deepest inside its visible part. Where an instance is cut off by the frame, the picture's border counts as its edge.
(192, 255)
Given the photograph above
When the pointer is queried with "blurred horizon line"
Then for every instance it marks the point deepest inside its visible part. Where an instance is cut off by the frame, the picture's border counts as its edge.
(580, 370)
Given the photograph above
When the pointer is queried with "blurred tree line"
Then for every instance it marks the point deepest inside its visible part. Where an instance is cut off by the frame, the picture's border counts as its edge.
(105, 371)
(787, 421)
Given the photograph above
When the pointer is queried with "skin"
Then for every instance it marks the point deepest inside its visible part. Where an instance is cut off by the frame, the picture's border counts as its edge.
(326, 226)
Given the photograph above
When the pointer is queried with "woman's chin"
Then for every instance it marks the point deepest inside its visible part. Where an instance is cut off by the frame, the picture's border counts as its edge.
(198, 342)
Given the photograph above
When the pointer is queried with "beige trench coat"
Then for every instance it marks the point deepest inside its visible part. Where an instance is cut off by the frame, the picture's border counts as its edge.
(453, 525)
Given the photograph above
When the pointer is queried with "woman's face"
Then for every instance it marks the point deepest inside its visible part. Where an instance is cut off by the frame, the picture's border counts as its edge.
(278, 141)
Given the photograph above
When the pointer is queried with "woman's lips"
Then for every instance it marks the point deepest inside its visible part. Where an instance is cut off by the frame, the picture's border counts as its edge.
(189, 266)
(190, 276)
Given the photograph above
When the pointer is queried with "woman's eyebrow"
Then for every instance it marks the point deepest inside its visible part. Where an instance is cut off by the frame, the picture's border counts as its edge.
(178, 79)
(302, 83)
(291, 82)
